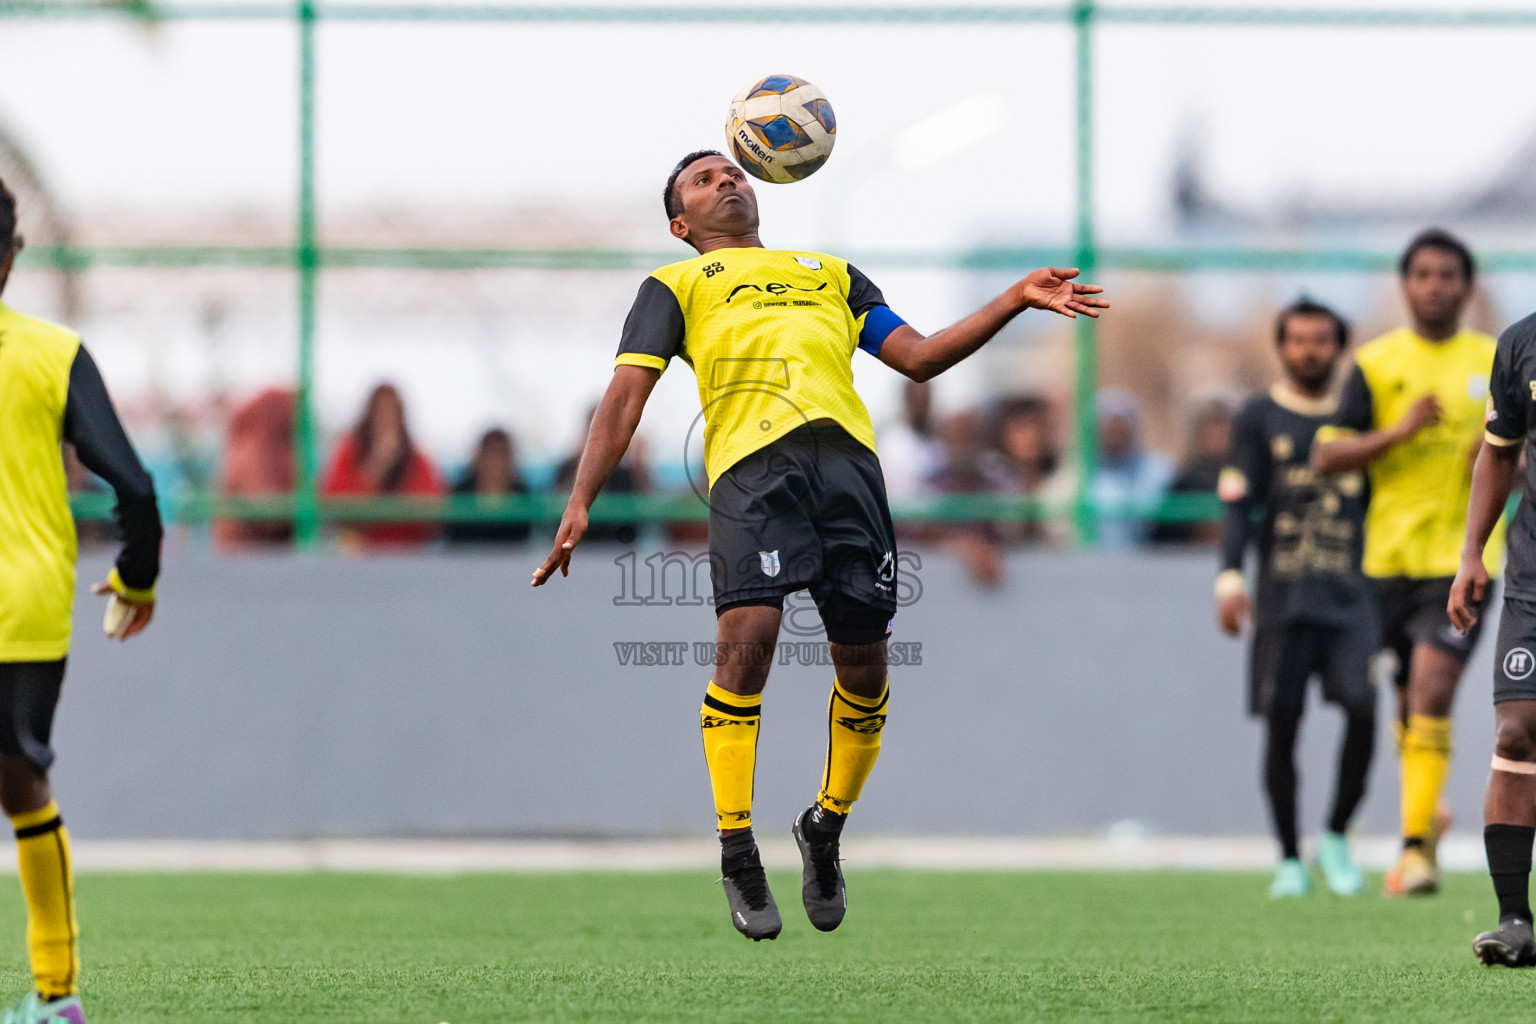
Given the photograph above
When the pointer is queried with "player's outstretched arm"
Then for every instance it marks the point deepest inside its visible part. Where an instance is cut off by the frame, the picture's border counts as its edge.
(1493, 476)
(1053, 288)
(92, 426)
(613, 425)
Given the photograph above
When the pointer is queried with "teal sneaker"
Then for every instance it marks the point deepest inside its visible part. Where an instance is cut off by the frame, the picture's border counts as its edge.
(1290, 880)
(32, 1010)
(1339, 871)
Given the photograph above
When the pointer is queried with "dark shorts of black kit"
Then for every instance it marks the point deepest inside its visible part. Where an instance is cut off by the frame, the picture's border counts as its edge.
(1286, 655)
(1413, 612)
(29, 693)
(807, 512)
(1514, 668)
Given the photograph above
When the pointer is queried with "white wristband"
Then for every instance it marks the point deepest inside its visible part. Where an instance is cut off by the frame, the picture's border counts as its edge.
(1230, 583)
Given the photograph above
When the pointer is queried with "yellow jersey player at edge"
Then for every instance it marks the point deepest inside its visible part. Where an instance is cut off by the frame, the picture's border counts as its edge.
(1412, 411)
(797, 499)
(51, 391)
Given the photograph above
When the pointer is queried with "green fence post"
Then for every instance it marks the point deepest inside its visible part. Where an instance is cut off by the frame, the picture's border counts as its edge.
(307, 508)
(1085, 332)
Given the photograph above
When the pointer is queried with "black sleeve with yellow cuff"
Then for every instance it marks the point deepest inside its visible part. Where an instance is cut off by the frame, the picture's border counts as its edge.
(92, 426)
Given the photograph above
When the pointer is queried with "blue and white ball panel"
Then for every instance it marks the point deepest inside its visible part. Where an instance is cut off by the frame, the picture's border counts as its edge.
(781, 129)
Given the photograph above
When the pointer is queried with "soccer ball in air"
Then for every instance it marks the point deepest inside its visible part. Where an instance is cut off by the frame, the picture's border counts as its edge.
(781, 129)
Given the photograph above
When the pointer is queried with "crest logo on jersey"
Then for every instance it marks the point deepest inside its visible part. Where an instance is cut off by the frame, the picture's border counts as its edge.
(770, 560)
(1518, 663)
(808, 263)
(1283, 447)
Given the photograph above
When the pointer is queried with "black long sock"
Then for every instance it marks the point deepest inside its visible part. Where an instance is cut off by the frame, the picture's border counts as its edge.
(1509, 862)
(1355, 753)
(1280, 779)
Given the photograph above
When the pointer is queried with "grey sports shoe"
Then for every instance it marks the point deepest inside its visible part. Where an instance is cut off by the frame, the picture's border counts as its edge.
(821, 879)
(753, 911)
(1513, 945)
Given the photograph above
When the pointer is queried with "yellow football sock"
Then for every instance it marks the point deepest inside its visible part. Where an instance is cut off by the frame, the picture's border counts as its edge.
(47, 881)
(729, 723)
(854, 725)
(1426, 760)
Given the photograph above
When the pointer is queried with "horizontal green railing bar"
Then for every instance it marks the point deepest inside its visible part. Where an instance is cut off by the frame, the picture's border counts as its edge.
(610, 508)
(726, 13)
(1155, 260)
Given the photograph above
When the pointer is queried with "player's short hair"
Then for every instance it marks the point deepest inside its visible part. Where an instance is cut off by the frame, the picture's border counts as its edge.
(7, 219)
(1306, 306)
(669, 193)
(1443, 241)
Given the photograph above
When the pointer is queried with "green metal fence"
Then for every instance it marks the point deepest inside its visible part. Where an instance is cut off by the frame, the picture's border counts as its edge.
(309, 259)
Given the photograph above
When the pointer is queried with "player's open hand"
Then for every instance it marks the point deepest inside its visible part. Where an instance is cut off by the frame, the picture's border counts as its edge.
(1052, 288)
(1423, 413)
(124, 618)
(1233, 612)
(1467, 593)
(573, 526)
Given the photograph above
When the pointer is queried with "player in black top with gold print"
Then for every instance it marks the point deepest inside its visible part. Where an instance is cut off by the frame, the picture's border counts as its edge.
(797, 498)
(1314, 613)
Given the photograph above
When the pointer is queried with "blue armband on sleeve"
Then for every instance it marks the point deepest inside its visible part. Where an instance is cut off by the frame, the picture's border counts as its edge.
(879, 322)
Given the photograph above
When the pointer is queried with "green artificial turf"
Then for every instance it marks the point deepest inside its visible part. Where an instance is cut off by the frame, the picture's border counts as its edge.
(916, 948)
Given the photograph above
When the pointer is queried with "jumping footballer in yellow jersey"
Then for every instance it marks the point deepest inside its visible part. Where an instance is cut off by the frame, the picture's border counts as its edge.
(797, 499)
(1412, 411)
(51, 392)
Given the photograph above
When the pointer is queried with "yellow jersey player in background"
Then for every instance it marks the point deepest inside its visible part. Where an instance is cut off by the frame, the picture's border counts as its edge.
(1412, 411)
(797, 497)
(51, 392)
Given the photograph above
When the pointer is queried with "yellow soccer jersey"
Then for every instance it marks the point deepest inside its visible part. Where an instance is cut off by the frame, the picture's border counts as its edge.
(770, 334)
(50, 391)
(1419, 489)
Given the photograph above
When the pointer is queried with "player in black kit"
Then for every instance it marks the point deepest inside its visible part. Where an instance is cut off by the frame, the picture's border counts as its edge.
(1509, 808)
(1314, 614)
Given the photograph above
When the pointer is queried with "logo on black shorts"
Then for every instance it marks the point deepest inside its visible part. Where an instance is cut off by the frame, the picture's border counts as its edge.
(1518, 663)
(770, 560)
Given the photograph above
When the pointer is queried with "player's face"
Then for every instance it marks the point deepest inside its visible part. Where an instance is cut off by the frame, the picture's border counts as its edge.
(1310, 350)
(1435, 287)
(716, 198)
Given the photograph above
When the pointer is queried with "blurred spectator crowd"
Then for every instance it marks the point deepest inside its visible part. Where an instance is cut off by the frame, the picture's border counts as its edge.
(1012, 448)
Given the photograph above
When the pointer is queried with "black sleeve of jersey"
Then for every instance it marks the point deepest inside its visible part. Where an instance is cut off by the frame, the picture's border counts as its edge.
(92, 426)
(654, 326)
(863, 296)
(1508, 396)
(1356, 409)
(1247, 461)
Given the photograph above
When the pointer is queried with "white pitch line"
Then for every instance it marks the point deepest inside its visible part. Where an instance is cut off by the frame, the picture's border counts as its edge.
(1458, 852)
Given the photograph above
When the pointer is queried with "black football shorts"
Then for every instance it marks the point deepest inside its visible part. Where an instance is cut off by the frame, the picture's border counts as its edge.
(1413, 612)
(1286, 655)
(807, 512)
(1514, 670)
(29, 693)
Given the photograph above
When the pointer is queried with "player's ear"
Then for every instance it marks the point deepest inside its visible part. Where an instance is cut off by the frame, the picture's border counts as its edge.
(678, 228)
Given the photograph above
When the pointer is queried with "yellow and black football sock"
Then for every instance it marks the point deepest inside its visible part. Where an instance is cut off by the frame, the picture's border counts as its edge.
(854, 725)
(1426, 760)
(47, 881)
(729, 723)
